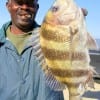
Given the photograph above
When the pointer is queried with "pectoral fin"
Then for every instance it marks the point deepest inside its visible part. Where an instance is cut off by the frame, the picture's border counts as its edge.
(53, 83)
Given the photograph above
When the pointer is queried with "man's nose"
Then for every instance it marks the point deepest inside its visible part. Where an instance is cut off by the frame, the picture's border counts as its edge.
(24, 6)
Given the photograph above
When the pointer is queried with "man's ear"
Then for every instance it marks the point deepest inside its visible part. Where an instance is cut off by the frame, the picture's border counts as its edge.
(8, 6)
(37, 6)
(85, 12)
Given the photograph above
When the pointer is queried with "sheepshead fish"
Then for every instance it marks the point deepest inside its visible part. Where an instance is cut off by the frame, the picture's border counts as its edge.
(65, 43)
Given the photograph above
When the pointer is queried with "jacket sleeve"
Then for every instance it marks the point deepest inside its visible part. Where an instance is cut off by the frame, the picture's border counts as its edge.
(45, 92)
(53, 95)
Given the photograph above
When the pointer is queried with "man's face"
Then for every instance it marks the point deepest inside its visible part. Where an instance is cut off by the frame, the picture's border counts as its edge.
(22, 12)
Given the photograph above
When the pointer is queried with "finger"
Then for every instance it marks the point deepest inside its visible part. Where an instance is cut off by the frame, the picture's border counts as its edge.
(85, 12)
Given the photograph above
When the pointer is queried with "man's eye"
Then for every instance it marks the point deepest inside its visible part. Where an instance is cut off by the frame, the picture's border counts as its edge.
(54, 9)
(19, 2)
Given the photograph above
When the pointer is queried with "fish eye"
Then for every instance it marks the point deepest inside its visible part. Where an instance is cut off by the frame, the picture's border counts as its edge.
(54, 9)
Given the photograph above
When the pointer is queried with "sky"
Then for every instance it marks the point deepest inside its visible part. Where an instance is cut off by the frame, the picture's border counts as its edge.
(92, 19)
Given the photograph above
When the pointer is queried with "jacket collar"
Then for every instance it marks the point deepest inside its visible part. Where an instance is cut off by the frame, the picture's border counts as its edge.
(3, 32)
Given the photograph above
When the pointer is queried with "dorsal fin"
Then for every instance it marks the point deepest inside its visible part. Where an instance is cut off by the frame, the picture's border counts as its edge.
(91, 43)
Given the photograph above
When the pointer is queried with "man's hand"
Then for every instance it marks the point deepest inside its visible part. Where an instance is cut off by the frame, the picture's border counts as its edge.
(85, 12)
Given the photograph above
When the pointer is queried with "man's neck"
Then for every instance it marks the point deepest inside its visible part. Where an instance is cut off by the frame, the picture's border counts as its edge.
(16, 30)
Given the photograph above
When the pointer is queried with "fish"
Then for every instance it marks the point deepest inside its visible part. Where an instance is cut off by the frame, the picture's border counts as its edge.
(65, 43)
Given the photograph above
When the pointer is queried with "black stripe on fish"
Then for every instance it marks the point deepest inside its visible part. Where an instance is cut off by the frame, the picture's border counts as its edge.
(54, 36)
(69, 73)
(72, 85)
(63, 55)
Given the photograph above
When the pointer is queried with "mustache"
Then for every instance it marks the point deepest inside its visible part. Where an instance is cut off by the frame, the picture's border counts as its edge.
(24, 12)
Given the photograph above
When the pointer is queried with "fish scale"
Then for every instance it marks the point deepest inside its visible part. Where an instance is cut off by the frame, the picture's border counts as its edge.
(54, 56)
(65, 44)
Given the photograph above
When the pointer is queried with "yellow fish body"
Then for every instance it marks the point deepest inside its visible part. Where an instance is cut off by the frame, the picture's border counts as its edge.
(65, 43)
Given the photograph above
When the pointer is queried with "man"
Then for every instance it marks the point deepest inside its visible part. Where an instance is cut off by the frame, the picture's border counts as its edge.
(21, 77)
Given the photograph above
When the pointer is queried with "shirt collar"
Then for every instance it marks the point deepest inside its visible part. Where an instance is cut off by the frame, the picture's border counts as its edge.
(4, 28)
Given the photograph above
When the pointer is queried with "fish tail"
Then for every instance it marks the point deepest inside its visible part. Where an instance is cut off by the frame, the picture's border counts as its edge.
(75, 97)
